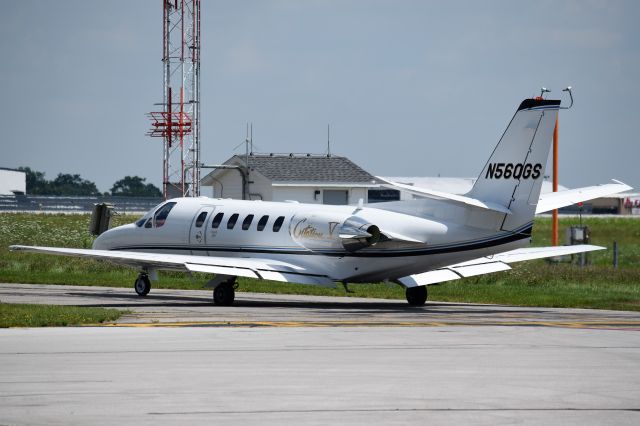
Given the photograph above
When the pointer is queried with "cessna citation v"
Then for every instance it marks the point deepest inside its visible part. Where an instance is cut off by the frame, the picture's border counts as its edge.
(437, 238)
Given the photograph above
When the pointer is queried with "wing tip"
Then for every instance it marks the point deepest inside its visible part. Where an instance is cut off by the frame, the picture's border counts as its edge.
(619, 182)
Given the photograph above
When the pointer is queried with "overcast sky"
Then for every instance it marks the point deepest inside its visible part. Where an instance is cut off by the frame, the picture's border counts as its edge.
(411, 88)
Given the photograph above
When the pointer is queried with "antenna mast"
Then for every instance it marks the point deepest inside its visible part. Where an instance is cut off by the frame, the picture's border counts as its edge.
(178, 124)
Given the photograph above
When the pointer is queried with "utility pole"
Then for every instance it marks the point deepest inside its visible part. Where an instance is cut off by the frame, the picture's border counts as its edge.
(554, 220)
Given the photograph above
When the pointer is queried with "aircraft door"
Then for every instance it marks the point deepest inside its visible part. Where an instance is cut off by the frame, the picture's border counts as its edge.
(197, 232)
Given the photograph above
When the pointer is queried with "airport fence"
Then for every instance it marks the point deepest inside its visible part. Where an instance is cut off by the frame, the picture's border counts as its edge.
(57, 204)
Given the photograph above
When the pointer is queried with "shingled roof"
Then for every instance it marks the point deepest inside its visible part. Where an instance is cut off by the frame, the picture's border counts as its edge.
(308, 168)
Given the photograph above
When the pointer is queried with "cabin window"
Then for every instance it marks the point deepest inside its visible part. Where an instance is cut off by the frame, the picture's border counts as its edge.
(149, 223)
(161, 214)
(217, 220)
(278, 224)
(247, 222)
(200, 220)
(141, 222)
(232, 221)
(263, 222)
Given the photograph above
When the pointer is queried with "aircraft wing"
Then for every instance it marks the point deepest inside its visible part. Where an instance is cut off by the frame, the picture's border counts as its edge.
(556, 200)
(488, 264)
(266, 269)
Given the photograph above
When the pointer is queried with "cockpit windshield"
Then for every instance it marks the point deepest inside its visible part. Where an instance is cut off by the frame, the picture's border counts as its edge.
(161, 214)
(157, 219)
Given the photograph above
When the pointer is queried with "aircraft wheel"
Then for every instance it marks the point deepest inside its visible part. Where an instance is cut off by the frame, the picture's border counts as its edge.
(142, 285)
(416, 296)
(224, 294)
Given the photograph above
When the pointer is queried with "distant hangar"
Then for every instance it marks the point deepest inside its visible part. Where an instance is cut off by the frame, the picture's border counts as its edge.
(12, 182)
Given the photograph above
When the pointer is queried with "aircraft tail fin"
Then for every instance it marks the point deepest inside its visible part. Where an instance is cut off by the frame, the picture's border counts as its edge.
(513, 175)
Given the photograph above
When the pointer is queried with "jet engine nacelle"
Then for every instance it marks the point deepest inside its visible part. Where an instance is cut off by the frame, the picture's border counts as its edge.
(319, 232)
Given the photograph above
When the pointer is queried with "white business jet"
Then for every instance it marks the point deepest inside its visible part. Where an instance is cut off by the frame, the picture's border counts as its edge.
(415, 243)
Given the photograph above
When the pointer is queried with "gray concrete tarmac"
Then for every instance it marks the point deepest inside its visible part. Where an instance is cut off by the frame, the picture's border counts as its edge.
(315, 376)
(188, 307)
(276, 360)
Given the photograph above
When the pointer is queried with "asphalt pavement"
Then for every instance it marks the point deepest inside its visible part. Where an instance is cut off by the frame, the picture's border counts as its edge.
(275, 360)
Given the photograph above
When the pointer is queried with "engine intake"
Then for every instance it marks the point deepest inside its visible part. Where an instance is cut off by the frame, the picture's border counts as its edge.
(319, 232)
(358, 238)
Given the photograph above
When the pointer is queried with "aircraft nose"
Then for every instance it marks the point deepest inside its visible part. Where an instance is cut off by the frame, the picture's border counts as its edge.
(100, 243)
(108, 239)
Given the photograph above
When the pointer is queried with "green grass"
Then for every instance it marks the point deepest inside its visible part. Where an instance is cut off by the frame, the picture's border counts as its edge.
(542, 284)
(14, 315)
(537, 283)
(604, 231)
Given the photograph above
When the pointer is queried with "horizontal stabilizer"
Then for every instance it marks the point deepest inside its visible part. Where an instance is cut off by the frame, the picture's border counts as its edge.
(555, 200)
(489, 264)
(439, 195)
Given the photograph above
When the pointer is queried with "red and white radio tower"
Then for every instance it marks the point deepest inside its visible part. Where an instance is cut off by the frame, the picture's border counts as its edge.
(179, 122)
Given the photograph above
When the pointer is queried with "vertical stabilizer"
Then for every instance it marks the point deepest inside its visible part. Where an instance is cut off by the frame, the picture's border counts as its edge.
(514, 173)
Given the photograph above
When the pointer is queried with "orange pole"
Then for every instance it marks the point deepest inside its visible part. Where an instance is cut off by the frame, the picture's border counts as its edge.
(554, 222)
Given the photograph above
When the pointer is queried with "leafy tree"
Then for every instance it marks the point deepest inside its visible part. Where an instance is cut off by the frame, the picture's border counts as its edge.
(68, 184)
(135, 186)
(36, 183)
(64, 184)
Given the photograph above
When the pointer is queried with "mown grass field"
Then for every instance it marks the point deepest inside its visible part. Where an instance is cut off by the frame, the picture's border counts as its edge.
(15, 315)
(536, 283)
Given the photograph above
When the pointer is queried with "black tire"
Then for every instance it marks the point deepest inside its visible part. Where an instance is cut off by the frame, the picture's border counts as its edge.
(142, 285)
(224, 294)
(416, 296)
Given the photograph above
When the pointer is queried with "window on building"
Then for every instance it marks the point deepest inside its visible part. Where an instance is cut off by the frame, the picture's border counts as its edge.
(200, 220)
(263, 222)
(278, 224)
(232, 221)
(246, 223)
(217, 220)
(382, 195)
(161, 214)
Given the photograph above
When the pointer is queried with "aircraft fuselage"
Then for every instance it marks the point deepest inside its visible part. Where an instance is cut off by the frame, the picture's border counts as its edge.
(331, 238)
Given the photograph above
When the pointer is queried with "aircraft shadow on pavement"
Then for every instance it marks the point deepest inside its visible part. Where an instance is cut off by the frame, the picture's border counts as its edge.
(356, 306)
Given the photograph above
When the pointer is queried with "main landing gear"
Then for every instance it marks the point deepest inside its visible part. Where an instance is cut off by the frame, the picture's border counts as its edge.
(225, 293)
(142, 284)
(416, 296)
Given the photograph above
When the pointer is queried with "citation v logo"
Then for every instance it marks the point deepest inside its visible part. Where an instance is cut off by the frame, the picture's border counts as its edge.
(510, 170)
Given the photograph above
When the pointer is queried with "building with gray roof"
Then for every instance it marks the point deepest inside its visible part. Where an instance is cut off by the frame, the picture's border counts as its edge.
(307, 178)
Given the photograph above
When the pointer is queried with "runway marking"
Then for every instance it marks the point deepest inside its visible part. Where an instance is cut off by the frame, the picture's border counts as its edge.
(386, 410)
(604, 325)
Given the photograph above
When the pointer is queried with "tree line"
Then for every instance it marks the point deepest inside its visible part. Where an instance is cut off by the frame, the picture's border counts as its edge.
(73, 185)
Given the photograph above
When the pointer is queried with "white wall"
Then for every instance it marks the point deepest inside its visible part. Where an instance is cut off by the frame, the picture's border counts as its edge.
(11, 180)
(305, 194)
(228, 185)
(301, 194)
(261, 188)
(356, 193)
